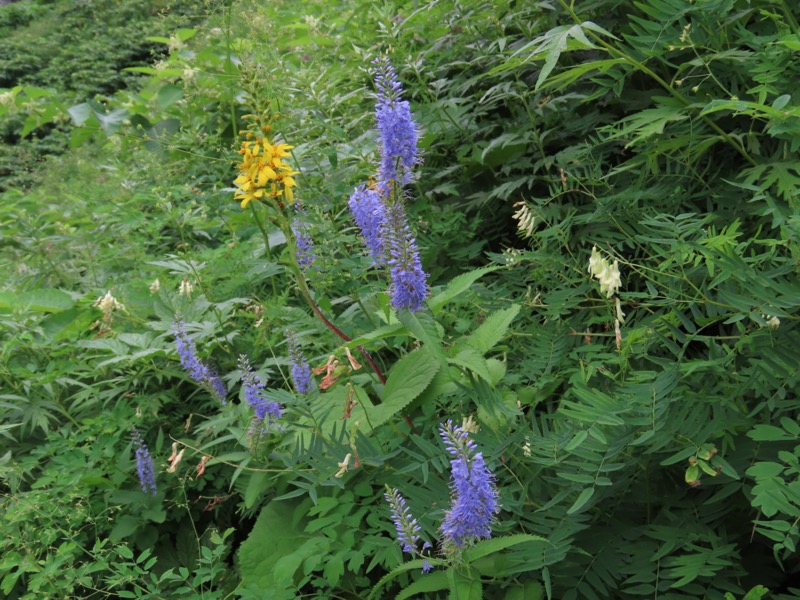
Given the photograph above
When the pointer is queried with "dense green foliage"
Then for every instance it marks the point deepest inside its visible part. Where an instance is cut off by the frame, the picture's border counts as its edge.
(645, 442)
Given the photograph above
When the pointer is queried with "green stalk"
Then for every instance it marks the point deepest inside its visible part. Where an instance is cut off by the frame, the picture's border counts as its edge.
(267, 249)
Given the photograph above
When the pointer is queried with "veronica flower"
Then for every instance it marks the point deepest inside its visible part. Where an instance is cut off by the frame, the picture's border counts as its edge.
(397, 130)
(369, 212)
(409, 286)
(301, 370)
(474, 495)
(198, 371)
(188, 353)
(305, 245)
(405, 523)
(216, 385)
(254, 393)
(144, 464)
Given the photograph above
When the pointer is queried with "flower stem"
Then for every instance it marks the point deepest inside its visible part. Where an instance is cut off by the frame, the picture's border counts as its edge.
(267, 249)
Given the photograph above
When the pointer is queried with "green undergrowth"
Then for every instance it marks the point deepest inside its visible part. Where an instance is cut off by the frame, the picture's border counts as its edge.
(607, 210)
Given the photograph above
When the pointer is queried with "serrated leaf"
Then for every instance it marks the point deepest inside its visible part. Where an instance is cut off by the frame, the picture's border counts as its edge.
(464, 588)
(278, 533)
(408, 379)
(256, 486)
(407, 566)
(458, 286)
(430, 582)
(423, 327)
(473, 360)
(493, 329)
(490, 546)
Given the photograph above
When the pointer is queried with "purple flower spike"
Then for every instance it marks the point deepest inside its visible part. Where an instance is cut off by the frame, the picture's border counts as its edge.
(198, 371)
(409, 286)
(144, 464)
(474, 500)
(305, 245)
(301, 371)
(398, 132)
(369, 212)
(188, 354)
(406, 525)
(254, 393)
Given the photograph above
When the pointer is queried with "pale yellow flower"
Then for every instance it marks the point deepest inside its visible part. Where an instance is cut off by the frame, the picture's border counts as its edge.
(607, 274)
(343, 466)
(108, 304)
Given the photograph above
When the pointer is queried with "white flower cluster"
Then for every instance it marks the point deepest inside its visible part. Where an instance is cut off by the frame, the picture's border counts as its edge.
(607, 274)
(108, 304)
(525, 219)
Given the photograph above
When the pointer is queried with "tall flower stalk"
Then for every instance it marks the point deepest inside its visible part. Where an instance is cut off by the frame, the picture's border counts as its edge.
(380, 212)
(197, 370)
(406, 525)
(474, 495)
(144, 464)
(264, 408)
(265, 180)
(301, 370)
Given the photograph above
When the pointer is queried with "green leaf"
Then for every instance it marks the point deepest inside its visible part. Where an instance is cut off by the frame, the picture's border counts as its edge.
(582, 499)
(430, 582)
(458, 286)
(256, 486)
(527, 590)
(45, 300)
(168, 95)
(425, 328)
(407, 566)
(756, 593)
(493, 329)
(463, 587)
(380, 333)
(473, 360)
(769, 433)
(277, 534)
(490, 546)
(408, 379)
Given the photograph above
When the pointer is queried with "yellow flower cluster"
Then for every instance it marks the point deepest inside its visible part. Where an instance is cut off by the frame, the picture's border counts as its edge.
(263, 174)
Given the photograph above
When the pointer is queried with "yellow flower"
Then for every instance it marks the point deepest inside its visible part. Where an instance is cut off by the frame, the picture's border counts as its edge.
(262, 173)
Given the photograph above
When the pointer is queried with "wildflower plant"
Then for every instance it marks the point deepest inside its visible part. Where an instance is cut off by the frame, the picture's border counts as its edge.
(263, 408)
(380, 213)
(144, 464)
(197, 370)
(474, 495)
(300, 369)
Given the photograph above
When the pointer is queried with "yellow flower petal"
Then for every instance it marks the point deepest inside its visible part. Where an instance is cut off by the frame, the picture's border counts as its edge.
(282, 150)
(265, 174)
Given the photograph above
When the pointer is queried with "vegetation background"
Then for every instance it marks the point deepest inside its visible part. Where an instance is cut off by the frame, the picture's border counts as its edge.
(645, 443)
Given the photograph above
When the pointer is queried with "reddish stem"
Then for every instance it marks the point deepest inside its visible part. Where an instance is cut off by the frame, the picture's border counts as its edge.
(345, 337)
